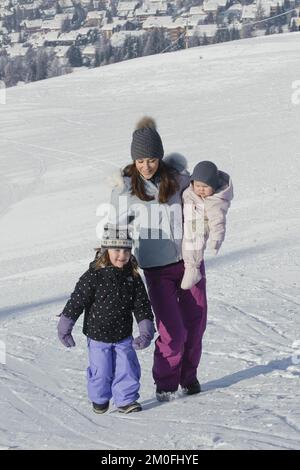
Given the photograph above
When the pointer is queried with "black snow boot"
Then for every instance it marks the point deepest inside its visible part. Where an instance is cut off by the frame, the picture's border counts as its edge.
(192, 389)
(132, 407)
(164, 395)
(99, 409)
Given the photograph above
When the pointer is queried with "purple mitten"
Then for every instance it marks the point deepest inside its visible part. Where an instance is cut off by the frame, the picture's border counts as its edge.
(64, 330)
(147, 331)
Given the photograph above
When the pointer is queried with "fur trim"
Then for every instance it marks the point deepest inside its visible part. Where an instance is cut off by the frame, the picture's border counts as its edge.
(116, 179)
(177, 161)
(146, 122)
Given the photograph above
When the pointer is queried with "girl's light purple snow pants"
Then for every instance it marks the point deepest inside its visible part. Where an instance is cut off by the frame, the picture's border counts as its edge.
(114, 371)
(181, 322)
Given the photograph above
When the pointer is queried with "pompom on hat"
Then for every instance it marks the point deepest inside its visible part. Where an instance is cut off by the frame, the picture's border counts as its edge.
(146, 141)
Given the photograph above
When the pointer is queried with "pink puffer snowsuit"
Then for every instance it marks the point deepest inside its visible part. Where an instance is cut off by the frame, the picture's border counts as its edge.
(203, 219)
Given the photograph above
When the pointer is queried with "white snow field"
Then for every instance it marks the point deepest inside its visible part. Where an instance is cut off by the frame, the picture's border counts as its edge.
(232, 103)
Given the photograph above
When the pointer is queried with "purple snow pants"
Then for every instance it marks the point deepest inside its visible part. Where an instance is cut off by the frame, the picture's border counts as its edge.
(181, 322)
(114, 371)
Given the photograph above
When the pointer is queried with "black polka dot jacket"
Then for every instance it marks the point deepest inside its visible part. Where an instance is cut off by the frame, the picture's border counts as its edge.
(109, 297)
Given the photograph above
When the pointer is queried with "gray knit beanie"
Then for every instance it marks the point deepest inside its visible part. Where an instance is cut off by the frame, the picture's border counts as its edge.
(206, 172)
(146, 141)
(115, 237)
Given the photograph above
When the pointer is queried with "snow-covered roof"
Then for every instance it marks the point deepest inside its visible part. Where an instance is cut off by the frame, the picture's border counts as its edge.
(235, 7)
(118, 39)
(155, 2)
(126, 6)
(160, 6)
(55, 23)
(65, 3)
(222, 3)
(30, 24)
(95, 15)
(14, 37)
(210, 5)
(51, 36)
(194, 19)
(111, 26)
(36, 40)
(17, 50)
(89, 50)
(249, 12)
(61, 51)
(30, 6)
(70, 36)
(63, 16)
(197, 11)
(84, 31)
(158, 22)
(145, 12)
(204, 29)
(181, 22)
(49, 12)
(271, 3)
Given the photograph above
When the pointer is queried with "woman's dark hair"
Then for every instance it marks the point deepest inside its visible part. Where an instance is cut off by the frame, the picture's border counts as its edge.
(167, 187)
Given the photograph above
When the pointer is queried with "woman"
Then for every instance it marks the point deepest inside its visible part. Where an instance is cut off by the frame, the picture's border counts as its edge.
(149, 200)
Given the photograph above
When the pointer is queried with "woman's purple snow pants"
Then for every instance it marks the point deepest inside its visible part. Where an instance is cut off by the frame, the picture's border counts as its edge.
(181, 322)
(114, 371)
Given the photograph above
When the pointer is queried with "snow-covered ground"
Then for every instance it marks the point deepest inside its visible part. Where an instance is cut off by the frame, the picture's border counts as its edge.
(60, 140)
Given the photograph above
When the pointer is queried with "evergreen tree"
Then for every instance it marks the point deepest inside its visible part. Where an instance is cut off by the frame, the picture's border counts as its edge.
(247, 30)
(194, 41)
(156, 42)
(18, 18)
(205, 41)
(42, 60)
(74, 56)
(210, 18)
(30, 60)
(58, 8)
(78, 16)
(66, 26)
(293, 27)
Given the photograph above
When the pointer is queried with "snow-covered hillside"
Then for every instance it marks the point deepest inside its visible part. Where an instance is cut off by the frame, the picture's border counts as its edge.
(60, 139)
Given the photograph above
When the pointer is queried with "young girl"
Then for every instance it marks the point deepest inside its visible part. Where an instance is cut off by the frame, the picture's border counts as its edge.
(206, 202)
(110, 291)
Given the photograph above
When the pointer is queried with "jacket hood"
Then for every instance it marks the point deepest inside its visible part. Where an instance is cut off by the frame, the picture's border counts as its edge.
(225, 190)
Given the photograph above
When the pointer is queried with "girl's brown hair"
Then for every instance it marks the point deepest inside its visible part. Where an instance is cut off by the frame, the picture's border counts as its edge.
(167, 187)
(102, 261)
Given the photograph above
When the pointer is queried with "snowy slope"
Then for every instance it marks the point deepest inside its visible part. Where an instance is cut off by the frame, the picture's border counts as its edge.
(60, 139)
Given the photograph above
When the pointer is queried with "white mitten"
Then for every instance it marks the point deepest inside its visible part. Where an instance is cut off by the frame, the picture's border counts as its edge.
(191, 277)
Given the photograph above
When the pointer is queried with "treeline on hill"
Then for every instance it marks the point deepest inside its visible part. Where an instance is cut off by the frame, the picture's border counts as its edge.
(42, 63)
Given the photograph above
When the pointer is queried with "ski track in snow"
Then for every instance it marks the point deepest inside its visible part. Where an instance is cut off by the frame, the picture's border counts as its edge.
(61, 140)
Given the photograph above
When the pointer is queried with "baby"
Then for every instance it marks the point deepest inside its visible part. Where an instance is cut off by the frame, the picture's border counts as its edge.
(206, 202)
